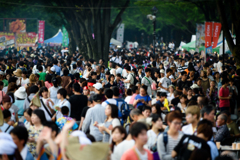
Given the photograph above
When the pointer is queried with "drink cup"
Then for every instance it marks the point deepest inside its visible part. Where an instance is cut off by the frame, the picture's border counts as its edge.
(238, 146)
(218, 145)
(234, 146)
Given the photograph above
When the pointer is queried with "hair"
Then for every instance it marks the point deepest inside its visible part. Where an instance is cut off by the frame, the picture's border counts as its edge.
(122, 131)
(64, 110)
(145, 88)
(174, 115)
(76, 87)
(43, 89)
(91, 138)
(194, 110)
(62, 92)
(110, 76)
(205, 127)
(129, 92)
(148, 70)
(146, 108)
(114, 112)
(199, 154)
(183, 73)
(52, 125)
(65, 72)
(108, 92)
(159, 111)
(55, 82)
(134, 89)
(135, 112)
(115, 91)
(207, 109)
(11, 87)
(40, 68)
(41, 115)
(155, 117)
(6, 113)
(225, 80)
(33, 89)
(223, 117)
(137, 128)
(21, 132)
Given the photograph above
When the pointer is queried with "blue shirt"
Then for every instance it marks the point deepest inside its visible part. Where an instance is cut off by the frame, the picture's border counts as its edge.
(57, 69)
(146, 99)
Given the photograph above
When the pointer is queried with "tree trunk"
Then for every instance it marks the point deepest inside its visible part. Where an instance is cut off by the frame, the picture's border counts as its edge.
(72, 44)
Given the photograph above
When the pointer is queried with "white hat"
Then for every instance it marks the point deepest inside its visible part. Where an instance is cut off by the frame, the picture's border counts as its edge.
(7, 146)
(21, 93)
(2, 73)
(194, 86)
(165, 63)
(98, 86)
(83, 140)
(78, 134)
(162, 71)
(53, 69)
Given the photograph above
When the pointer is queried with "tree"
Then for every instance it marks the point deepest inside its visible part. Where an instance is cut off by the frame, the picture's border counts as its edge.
(234, 7)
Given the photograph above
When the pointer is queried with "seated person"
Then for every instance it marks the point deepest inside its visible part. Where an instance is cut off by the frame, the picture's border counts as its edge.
(232, 126)
(223, 131)
(161, 96)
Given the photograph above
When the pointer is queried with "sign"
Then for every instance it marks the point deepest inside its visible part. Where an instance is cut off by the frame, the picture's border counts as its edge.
(41, 26)
(65, 38)
(120, 33)
(200, 36)
(208, 34)
(130, 45)
(6, 38)
(216, 33)
(17, 26)
(26, 39)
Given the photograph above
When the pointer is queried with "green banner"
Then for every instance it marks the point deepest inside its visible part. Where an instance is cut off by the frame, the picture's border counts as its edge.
(65, 37)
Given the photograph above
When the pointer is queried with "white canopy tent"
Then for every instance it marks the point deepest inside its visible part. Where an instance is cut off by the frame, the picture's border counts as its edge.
(115, 42)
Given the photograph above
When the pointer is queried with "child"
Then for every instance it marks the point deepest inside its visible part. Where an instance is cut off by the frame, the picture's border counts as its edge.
(61, 121)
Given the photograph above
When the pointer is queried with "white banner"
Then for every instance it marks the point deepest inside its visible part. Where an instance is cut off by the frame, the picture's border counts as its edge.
(130, 45)
(120, 33)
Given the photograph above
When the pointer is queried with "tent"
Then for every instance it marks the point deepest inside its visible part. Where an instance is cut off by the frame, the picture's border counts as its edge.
(115, 42)
(192, 46)
(56, 39)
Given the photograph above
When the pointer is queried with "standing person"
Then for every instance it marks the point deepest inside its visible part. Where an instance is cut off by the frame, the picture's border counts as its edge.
(139, 134)
(205, 82)
(135, 92)
(192, 118)
(183, 82)
(120, 85)
(41, 73)
(53, 90)
(74, 100)
(33, 90)
(130, 77)
(20, 95)
(111, 111)
(223, 131)
(212, 93)
(147, 80)
(118, 135)
(224, 96)
(143, 98)
(57, 68)
(6, 104)
(94, 114)
(37, 118)
(165, 81)
(24, 80)
(5, 127)
(20, 137)
(48, 82)
(182, 105)
(168, 140)
(66, 81)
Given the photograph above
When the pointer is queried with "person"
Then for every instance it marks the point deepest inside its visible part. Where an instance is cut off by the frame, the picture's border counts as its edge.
(212, 93)
(111, 82)
(111, 112)
(6, 104)
(6, 117)
(98, 89)
(169, 139)
(130, 77)
(223, 132)
(20, 95)
(146, 111)
(74, 100)
(48, 81)
(27, 118)
(161, 96)
(66, 80)
(94, 114)
(192, 118)
(205, 81)
(109, 96)
(190, 143)
(183, 103)
(19, 135)
(118, 135)
(120, 85)
(183, 82)
(147, 81)
(165, 81)
(139, 134)
(135, 92)
(170, 95)
(41, 73)
(136, 115)
(208, 113)
(129, 95)
(155, 109)
(24, 80)
(143, 98)
(224, 96)
(57, 68)
(53, 90)
(37, 118)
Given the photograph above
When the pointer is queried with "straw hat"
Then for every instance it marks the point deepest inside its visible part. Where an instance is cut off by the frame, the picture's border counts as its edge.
(36, 100)
(1, 118)
(76, 151)
(21, 93)
(18, 73)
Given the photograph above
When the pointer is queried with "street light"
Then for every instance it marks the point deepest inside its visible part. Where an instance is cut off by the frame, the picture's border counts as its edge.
(152, 17)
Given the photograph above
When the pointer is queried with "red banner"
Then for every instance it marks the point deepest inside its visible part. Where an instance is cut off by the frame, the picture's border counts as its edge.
(41, 26)
(216, 33)
(208, 34)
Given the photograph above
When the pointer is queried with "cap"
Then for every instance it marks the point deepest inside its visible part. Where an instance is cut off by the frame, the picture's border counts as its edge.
(53, 69)
(98, 86)
(162, 71)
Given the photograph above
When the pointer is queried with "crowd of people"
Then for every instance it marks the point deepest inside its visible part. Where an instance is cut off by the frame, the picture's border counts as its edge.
(138, 104)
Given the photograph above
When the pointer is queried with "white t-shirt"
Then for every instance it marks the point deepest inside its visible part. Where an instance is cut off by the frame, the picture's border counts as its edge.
(121, 148)
(62, 104)
(152, 138)
(130, 77)
(219, 67)
(23, 82)
(165, 82)
(119, 71)
(142, 156)
(48, 118)
(110, 101)
(127, 99)
(124, 73)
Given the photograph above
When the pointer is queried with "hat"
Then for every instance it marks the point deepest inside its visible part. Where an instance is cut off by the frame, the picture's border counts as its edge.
(53, 69)
(165, 63)
(7, 146)
(1, 118)
(162, 71)
(85, 88)
(194, 86)
(35, 100)
(18, 73)
(21, 93)
(98, 86)
(2, 73)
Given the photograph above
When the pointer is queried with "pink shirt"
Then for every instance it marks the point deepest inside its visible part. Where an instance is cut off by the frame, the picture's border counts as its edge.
(132, 98)
(48, 85)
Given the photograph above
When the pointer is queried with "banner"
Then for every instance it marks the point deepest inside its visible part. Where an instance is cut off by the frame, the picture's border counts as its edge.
(120, 33)
(26, 39)
(6, 38)
(208, 34)
(41, 26)
(200, 36)
(130, 45)
(65, 38)
(17, 26)
(216, 33)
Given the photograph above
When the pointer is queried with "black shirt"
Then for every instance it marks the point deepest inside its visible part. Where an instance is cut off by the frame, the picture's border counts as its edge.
(84, 111)
(78, 102)
(182, 84)
(175, 101)
(188, 144)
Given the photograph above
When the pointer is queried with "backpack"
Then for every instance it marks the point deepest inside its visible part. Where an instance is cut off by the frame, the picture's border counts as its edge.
(135, 81)
(165, 140)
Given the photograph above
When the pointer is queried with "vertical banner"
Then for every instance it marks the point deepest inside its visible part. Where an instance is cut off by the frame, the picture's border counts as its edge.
(120, 33)
(216, 33)
(41, 26)
(200, 36)
(65, 37)
(208, 34)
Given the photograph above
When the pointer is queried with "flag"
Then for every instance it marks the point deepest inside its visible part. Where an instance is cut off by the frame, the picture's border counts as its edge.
(216, 33)
(208, 34)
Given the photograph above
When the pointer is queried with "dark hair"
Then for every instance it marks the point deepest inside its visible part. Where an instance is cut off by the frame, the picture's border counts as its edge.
(145, 88)
(48, 78)
(137, 128)
(108, 92)
(40, 68)
(55, 82)
(110, 76)
(115, 91)
(114, 112)
(225, 80)
(205, 127)
(64, 110)
(206, 109)
(148, 70)
(6, 113)
(65, 72)
(183, 73)
(21, 132)
(122, 130)
(168, 70)
(159, 111)
(129, 92)
(76, 87)
(134, 89)
(52, 125)
(91, 138)
(41, 115)
(146, 108)
(43, 89)
(200, 154)
(63, 92)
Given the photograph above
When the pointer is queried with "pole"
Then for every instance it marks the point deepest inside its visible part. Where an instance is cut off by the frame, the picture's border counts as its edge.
(223, 51)
(154, 33)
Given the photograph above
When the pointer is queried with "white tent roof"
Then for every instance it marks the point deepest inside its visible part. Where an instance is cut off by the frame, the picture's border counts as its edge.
(115, 42)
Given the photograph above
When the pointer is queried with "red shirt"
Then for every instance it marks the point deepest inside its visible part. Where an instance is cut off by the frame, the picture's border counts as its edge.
(224, 92)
